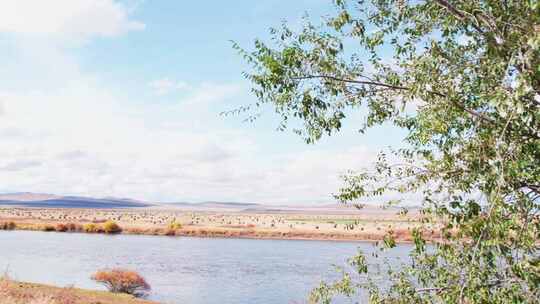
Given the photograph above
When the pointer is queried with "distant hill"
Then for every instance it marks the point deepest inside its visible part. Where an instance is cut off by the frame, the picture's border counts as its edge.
(212, 205)
(276, 209)
(40, 200)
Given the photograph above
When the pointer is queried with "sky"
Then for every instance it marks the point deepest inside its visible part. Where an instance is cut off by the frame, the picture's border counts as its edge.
(123, 98)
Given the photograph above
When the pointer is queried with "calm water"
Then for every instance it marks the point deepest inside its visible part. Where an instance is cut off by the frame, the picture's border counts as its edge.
(182, 270)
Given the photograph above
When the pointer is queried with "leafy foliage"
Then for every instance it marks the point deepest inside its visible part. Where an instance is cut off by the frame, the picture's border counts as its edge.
(463, 79)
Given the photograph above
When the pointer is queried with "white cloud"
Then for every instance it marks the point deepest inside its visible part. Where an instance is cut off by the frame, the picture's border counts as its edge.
(195, 94)
(165, 86)
(84, 18)
(18, 165)
(94, 143)
(82, 139)
(64, 131)
(206, 93)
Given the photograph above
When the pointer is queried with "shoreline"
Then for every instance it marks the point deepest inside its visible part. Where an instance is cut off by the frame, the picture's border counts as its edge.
(222, 236)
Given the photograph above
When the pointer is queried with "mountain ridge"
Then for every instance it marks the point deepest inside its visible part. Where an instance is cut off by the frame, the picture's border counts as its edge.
(45, 200)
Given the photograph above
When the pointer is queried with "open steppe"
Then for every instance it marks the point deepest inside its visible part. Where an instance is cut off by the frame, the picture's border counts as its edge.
(370, 223)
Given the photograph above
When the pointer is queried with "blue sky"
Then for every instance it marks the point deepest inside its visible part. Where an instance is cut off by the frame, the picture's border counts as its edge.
(109, 98)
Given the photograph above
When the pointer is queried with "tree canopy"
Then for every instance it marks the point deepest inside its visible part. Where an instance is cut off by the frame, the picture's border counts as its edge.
(463, 79)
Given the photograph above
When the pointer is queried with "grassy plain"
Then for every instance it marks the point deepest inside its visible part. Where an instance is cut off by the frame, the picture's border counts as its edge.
(370, 224)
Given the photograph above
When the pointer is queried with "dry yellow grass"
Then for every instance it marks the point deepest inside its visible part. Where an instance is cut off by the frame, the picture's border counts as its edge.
(12, 292)
(362, 225)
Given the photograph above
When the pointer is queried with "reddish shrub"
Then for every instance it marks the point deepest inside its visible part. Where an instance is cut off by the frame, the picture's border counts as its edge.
(61, 228)
(122, 281)
(74, 227)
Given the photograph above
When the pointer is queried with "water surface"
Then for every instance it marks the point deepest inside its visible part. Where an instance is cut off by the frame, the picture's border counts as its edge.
(182, 269)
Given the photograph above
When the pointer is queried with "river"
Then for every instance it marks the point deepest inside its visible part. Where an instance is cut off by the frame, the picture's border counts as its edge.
(182, 269)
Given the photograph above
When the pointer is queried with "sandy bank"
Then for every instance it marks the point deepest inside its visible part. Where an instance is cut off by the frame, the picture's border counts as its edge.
(12, 292)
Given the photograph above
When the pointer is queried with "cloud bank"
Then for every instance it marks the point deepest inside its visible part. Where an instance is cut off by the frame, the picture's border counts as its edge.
(66, 131)
(66, 17)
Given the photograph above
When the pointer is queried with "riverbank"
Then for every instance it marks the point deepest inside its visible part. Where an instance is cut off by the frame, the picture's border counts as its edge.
(12, 292)
(358, 227)
(402, 235)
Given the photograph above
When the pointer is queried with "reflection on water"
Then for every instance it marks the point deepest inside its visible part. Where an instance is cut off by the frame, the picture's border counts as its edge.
(182, 270)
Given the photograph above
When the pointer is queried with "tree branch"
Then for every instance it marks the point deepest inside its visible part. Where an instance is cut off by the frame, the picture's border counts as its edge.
(489, 284)
(457, 13)
(374, 83)
(456, 103)
(394, 87)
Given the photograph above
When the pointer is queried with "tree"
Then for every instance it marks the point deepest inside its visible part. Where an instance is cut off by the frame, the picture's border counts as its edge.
(463, 79)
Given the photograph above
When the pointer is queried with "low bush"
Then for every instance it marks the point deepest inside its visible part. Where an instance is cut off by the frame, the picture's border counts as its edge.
(122, 281)
(111, 227)
(8, 226)
(48, 228)
(174, 225)
(69, 227)
(74, 227)
(91, 228)
(61, 228)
